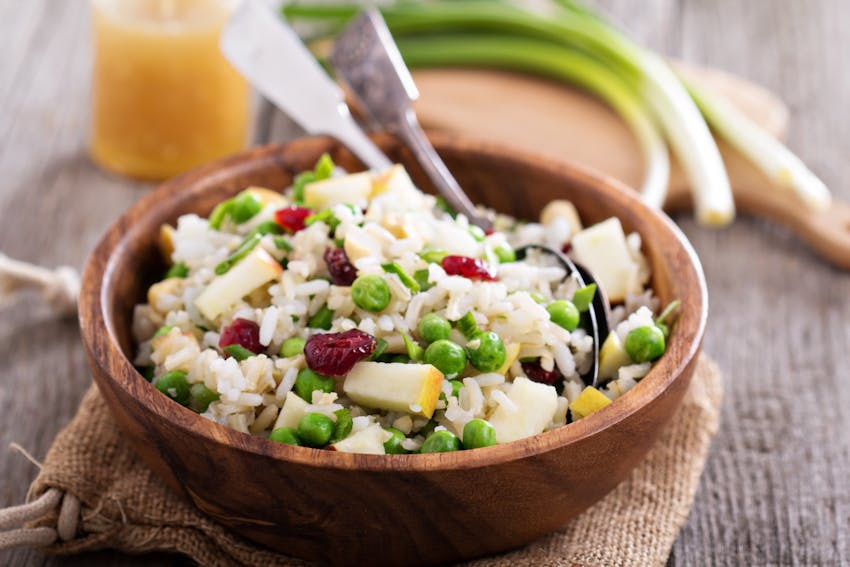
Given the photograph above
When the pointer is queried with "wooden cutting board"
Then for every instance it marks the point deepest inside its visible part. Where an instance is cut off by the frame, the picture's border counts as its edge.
(551, 118)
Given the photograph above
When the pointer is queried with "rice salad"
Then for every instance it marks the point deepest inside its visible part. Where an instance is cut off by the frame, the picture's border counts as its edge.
(356, 313)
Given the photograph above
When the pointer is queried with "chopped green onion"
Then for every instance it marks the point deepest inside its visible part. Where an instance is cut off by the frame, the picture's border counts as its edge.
(505, 254)
(241, 251)
(433, 256)
(322, 319)
(282, 243)
(467, 326)
(414, 351)
(395, 268)
(477, 233)
(219, 212)
(238, 352)
(380, 347)
(178, 270)
(245, 206)
(421, 277)
(583, 297)
(162, 331)
(267, 227)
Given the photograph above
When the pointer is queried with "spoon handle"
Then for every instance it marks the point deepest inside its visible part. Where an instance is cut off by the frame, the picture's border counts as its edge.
(408, 129)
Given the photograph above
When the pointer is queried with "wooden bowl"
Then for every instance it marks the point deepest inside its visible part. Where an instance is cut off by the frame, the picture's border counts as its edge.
(397, 509)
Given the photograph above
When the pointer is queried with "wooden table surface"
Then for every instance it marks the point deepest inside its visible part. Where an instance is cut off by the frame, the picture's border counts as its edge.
(775, 490)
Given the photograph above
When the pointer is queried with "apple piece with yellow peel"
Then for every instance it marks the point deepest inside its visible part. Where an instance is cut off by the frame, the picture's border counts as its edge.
(393, 180)
(589, 401)
(561, 208)
(612, 356)
(294, 408)
(360, 244)
(347, 189)
(534, 407)
(267, 196)
(395, 386)
(370, 441)
(511, 354)
(602, 249)
(256, 269)
(166, 241)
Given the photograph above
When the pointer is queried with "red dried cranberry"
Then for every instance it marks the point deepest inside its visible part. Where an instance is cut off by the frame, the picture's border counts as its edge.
(340, 267)
(536, 373)
(242, 332)
(471, 268)
(333, 354)
(489, 231)
(292, 218)
(567, 247)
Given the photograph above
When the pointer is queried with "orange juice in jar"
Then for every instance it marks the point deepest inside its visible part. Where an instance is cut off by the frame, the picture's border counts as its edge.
(164, 97)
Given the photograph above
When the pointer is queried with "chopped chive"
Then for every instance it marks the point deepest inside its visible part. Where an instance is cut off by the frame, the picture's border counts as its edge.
(238, 352)
(267, 227)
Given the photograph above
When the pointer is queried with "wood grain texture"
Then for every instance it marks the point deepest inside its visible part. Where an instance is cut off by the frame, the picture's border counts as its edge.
(774, 491)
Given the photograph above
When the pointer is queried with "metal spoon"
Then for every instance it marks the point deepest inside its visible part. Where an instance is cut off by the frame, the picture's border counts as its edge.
(599, 312)
(366, 59)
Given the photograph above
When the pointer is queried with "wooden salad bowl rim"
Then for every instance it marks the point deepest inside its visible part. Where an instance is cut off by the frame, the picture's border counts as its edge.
(99, 333)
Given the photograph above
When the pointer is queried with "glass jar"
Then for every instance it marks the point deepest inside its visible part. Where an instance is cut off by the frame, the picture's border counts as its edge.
(164, 98)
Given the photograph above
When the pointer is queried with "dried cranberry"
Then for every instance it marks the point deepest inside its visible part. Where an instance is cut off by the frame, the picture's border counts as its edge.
(292, 218)
(244, 333)
(333, 354)
(567, 247)
(489, 231)
(471, 268)
(536, 373)
(340, 267)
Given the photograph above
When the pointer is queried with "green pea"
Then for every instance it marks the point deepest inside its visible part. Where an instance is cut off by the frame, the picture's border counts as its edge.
(505, 254)
(285, 435)
(400, 358)
(292, 346)
(322, 319)
(433, 327)
(442, 441)
(178, 270)
(308, 382)
(446, 356)
(200, 397)
(478, 433)
(174, 385)
(393, 445)
(147, 372)
(315, 429)
(427, 429)
(370, 292)
(645, 343)
(343, 425)
(238, 352)
(583, 297)
(245, 206)
(489, 354)
(456, 386)
(564, 314)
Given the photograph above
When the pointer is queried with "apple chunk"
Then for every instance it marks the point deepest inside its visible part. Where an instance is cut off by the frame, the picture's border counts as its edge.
(534, 407)
(395, 386)
(602, 249)
(347, 189)
(256, 269)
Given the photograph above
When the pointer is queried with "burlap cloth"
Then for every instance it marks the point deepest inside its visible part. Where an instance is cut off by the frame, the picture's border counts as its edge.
(125, 507)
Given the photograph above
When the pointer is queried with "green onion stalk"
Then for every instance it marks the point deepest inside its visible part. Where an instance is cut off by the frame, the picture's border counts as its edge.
(573, 44)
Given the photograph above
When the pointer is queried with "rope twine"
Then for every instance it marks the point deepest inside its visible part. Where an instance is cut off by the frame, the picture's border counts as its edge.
(13, 520)
(60, 288)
